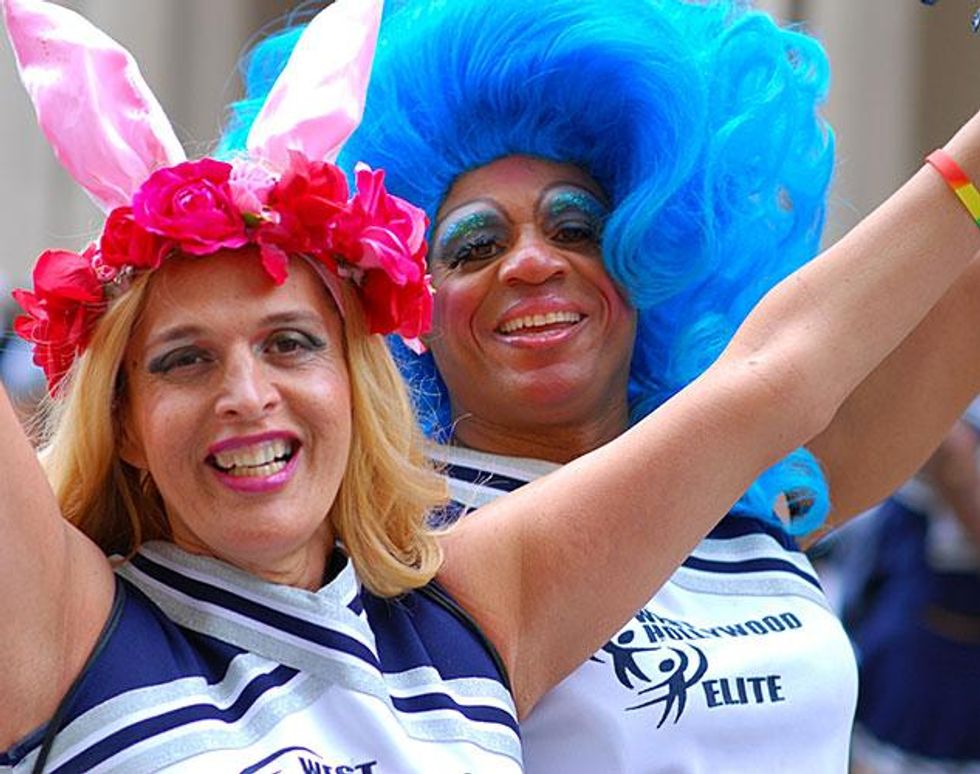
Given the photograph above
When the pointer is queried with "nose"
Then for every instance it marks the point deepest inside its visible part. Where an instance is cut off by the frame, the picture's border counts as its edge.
(247, 393)
(532, 260)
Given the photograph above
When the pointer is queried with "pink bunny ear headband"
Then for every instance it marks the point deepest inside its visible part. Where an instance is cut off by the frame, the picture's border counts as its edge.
(286, 196)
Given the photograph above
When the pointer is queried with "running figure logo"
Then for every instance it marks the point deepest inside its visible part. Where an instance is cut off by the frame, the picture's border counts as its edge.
(662, 673)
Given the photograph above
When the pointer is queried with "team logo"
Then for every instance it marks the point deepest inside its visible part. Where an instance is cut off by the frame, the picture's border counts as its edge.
(656, 674)
(656, 660)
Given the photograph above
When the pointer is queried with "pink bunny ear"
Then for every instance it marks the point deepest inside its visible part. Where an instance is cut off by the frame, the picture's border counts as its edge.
(92, 104)
(318, 100)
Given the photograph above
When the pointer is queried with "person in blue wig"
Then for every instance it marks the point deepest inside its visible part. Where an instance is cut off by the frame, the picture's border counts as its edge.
(612, 187)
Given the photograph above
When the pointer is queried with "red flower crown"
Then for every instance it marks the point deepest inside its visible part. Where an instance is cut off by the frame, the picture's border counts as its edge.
(372, 239)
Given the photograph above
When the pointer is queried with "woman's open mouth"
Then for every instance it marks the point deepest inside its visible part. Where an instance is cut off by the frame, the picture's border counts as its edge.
(258, 465)
(263, 459)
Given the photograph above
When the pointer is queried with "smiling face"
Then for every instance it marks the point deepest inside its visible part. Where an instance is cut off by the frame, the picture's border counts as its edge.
(238, 404)
(531, 336)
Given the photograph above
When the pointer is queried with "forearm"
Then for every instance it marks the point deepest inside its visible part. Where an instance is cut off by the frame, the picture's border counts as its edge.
(838, 317)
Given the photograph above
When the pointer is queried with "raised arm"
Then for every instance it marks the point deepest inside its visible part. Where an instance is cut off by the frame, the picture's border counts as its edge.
(890, 424)
(552, 570)
(56, 589)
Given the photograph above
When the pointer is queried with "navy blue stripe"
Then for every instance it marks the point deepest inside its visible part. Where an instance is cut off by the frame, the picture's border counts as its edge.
(741, 523)
(230, 601)
(428, 702)
(161, 724)
(446, 514)
(283, 622)
(749, 565)
(482, 477)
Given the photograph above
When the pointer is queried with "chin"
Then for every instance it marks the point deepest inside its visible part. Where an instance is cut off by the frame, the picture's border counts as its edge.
(555, 386)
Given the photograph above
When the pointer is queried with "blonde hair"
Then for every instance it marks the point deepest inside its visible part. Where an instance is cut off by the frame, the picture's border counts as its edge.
(379, 512)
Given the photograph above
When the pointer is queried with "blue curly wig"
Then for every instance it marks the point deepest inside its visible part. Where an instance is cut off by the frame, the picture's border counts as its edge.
(698, 119)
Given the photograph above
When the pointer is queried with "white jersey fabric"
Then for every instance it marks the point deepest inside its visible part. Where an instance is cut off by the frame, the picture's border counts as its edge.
(205, 668)
(737, 664)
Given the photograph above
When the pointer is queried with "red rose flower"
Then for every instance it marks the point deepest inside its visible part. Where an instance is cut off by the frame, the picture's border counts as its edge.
(192, 204)
(382, 237)
(306, 199)
(402, 309)
(381, 231)
(62, 312)
(124, 243)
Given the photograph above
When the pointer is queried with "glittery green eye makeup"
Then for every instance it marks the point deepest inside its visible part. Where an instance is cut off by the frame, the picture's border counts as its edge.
(571, 197)
(573, 214)
(472, 234)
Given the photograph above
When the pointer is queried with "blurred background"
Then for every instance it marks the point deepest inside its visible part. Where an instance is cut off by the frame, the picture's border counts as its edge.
(905, 76)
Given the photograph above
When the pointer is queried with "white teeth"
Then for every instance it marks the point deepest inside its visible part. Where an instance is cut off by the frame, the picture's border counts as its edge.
(253, 460)
(539, 321)
(260, 471)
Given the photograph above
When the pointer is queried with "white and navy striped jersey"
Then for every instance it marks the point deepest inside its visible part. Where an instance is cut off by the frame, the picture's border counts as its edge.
(203, 667)
(736, 665)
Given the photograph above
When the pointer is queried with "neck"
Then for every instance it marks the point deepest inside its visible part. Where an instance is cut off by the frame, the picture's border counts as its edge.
(557, 442)
(301, 567)
(303, 572)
